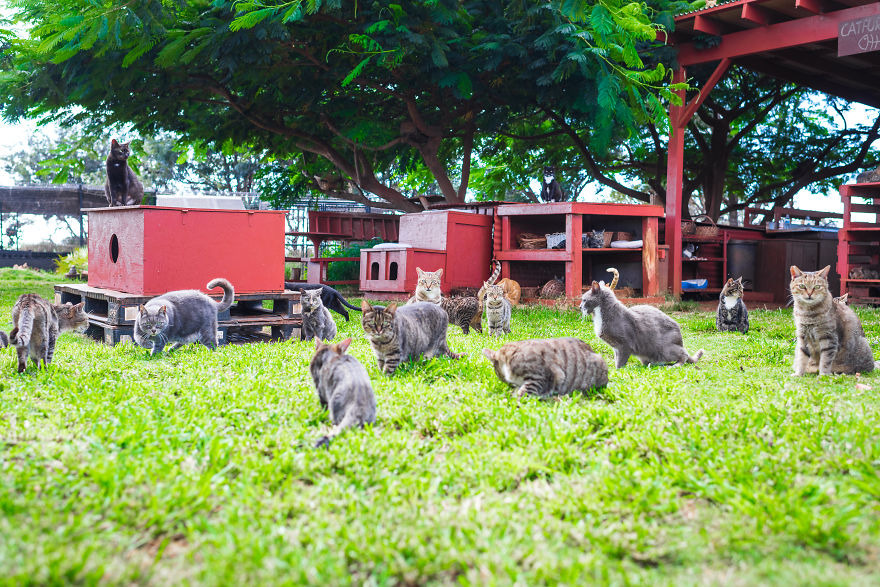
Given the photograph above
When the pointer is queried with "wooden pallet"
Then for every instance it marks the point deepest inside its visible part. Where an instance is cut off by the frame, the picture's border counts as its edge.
(112, 314)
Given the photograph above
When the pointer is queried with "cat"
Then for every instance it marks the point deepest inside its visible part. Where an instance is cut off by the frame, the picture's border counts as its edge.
(870, 176)
(688, 251)
(316, 319)
(548, 367)
(860, 272)
(595, 239)
(181, 317)
(497, 310)
(36, 325)
(830, 338)
(343, 388)
(512, 290)
(122, 187)
(841, 299)
(461, 311)
(404, 333)
(732, 314)
(330, 297)
(551, 191)
(643, 331)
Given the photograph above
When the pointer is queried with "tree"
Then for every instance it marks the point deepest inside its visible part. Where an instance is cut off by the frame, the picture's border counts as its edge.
(362, 94)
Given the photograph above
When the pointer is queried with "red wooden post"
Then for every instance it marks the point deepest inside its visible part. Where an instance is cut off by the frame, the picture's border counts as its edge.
(650, 279)
(674, 177)
(574, 268)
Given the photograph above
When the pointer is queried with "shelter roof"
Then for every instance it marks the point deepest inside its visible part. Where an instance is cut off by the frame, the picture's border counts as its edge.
(60, 200)
(794, 40)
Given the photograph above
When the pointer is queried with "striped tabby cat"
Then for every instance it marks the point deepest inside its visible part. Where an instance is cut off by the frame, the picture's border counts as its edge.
(461, 311)
(550, 366)
(512, 289)
(36, 325)
(497, 310)
(404, 333)
(830, 338)
(643, 331)
(732, 314)
(343, 387)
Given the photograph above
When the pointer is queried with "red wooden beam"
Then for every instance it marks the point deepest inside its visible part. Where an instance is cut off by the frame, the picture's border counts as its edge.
(757, 14)
(814, 6)
(812, 29)
(697, 100)
(674, 177)
(706, 25)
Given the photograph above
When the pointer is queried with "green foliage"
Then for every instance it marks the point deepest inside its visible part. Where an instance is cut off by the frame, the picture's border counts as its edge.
(78, 257)
(347, 270)
(199, 465)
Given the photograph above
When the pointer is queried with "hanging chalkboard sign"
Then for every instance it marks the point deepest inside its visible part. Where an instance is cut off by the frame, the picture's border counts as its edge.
(861, 35)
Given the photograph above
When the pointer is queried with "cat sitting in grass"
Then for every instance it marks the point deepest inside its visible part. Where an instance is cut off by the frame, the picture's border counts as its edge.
(404, 333)
(830, 338)
(462, 311)
(732, 314)
(181, 317)
(36, 325)
(644, 331)
(343, 387)
(316, 319)
(548, 367)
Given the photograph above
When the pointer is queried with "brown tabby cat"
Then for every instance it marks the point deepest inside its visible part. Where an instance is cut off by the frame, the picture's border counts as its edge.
(550, 366)
(830, 338)
(122, 187)
(37, 324)
(462, 311)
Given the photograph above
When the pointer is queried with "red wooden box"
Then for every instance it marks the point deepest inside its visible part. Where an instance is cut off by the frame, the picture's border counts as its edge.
(149, 250)
(389, 269)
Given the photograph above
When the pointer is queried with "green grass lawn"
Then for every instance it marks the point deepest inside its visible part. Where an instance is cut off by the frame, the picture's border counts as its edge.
(197, 467)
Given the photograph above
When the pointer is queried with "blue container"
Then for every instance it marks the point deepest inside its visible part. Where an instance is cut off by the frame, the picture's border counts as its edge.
(692, 284)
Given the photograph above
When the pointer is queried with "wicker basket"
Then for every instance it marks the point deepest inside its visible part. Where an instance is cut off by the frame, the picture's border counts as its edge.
(528, 240)
(623, 236)
(691, 228)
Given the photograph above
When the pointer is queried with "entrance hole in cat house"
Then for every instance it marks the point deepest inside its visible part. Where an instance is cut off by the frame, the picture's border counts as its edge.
(114, 248)
(392, 271)
(374, 271)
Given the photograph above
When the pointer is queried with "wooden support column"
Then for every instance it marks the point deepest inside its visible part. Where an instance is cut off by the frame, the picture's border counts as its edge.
(650, 280)
(674, 177)
(574, 250)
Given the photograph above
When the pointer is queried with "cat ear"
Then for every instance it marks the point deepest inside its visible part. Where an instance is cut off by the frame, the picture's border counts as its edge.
(595, 287)
(79, 306)
(343, 346)
(825, 271)
(142, 309)
(740, 280)
(419, 271)
(114, 143)
(795, 272)
(489, 354)
(391, 308)
(439, 272)
(365, 306)
(729, 280)
(126, 144)
(317, 343)
(163, 310)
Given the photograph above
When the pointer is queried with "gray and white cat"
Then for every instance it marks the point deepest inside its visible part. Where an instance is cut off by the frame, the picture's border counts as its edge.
(122, 187)
(316, 319)
(497, 310)
(732, 314)
(343, 388)
(830, 338)
(550, 366)
(404, 333)
(36, 325)
(643, 331)
(463, 311)
(181, 317)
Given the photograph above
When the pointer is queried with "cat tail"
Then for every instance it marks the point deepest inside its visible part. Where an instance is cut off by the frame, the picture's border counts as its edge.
(4, 340)
(228, 293)
(22, 333)
(496, 272)
(347, 305)
(696, 356)
(350, 420)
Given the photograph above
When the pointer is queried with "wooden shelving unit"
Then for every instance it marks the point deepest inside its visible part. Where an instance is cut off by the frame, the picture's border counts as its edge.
(575, 264)
(709, 261)
(858, 242)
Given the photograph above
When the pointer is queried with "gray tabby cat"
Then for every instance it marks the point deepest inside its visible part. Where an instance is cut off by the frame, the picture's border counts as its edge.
(122, 187)
(830, 338)
(643, 331)
(461, 311)
(497, 310)
(36, 325)
(732, 314)
(343, 387)
(181, 317)
(316, 319)
(550, 366)
(404, 333)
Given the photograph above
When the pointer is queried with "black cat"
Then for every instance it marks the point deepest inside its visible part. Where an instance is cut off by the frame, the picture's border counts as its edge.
(331, 298)
(551, 191)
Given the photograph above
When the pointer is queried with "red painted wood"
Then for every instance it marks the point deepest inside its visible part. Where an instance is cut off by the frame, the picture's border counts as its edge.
(162, 249)
(574, 269)
(757, 14)
(674, 176)
(707, 88)
(706, 25)
(650, 277)
(802, 31)
(856, 240)
(556, 208)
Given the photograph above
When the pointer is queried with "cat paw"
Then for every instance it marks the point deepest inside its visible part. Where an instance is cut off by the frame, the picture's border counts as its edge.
(323, 442)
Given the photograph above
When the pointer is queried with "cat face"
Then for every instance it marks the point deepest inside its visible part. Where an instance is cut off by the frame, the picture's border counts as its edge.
(152, 321)
(809, 288)
(378, 322)
(428, 285)
(494, 294)
(120, 150)
(733, 288)
(592, 298)
(311, 300)
(72, 317)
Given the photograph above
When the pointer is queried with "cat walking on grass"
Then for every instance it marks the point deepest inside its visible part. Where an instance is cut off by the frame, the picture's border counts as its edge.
(36, 325)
